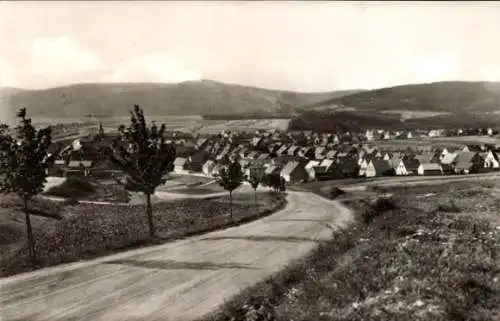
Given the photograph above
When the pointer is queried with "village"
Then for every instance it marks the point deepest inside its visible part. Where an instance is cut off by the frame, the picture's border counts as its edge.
(297, 156)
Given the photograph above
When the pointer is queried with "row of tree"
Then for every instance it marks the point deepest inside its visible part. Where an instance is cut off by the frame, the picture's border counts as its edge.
(140, 152)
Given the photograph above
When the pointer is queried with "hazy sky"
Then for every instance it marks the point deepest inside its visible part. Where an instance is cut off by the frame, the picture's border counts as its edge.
(302, 46)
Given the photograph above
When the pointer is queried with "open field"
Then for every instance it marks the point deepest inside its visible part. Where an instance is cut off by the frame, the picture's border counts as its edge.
(411, 114)
(467, 139)
(88, 230)
(409, 258)
(180, 123)
(246, 125)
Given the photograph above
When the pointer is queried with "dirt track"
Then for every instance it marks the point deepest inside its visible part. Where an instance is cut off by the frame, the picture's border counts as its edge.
(177, 281)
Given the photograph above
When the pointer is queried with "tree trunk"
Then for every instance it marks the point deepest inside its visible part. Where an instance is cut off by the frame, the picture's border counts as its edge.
(231, 205)
(255, 197)
(149, 213)
(29, 231)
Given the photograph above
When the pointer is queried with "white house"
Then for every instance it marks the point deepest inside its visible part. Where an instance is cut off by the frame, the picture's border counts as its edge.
(208, 167)
(407, 167)
(492, 160)
(369, 135)
(310, 168)
(363, 165)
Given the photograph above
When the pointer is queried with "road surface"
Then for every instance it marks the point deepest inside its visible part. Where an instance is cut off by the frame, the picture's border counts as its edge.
(178, 281)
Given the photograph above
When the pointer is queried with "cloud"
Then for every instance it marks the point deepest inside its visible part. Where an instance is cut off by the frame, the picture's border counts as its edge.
(156, 67)
(61, 55)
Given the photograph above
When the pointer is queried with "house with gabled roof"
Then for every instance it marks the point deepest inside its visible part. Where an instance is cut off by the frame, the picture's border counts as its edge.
(197, 160)
(319, 152)
(407, 167)
(272, 170)
(306, 152)
(378, 167)
(310, 168)
(331, 154)
(181, 165)
(208, 167)
(448, 158)
(293, 150)
(492, 160)
(430, 169)
(468, 162)
(282, 150)
(472, 148)
(423, 158)
(345, 168)
(78, 168)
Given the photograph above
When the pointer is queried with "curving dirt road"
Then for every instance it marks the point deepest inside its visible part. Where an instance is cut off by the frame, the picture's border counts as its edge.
(177, 281)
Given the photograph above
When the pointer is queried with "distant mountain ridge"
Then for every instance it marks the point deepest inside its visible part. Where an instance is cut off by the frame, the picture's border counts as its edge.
(204, 97)
(453, 96)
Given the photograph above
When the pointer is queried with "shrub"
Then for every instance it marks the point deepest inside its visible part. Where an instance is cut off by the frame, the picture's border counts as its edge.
(73, 187)
(449, 207)
(377, 207)
(336, 192)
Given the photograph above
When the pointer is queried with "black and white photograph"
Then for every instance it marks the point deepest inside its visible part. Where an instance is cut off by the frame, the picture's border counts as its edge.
(249, 161)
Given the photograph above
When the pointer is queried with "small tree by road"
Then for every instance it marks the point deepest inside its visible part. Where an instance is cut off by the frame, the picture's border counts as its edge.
(24, 162)
(230, 178)
(255, 178)
(143, 156)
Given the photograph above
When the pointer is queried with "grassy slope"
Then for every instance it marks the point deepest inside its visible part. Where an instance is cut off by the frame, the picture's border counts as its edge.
(432, 258)
(439, 96)
(88, 230)
(188, 98)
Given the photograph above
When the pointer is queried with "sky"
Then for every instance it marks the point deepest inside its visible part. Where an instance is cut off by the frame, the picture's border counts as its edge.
(300, 46)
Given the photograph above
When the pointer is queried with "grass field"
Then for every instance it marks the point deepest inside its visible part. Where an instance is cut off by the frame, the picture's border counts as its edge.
(409, 114)
(409, 258)
(180, 123)
(86, 230)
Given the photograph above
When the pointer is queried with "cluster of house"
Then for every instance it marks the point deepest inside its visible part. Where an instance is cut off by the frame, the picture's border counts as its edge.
(295, 156)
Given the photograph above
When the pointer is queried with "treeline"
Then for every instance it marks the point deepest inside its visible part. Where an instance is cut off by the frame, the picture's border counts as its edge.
(359, 121)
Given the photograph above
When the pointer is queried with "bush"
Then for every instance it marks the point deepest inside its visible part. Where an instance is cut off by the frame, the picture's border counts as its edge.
(450, 207)
(73, 187)
(336, 192)
(377, 207)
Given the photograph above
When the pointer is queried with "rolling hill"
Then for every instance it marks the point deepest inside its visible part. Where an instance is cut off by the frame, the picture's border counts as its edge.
(188, 98)
(461, 97)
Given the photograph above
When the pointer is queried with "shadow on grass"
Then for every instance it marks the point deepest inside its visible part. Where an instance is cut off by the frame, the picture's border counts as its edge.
(176, 265)
(262, 238)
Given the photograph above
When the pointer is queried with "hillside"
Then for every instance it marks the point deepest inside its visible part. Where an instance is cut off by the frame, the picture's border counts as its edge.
(187, 98)
(438, 97)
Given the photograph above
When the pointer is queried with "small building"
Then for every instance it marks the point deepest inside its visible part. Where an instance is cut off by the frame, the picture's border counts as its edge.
(430, 169)
(78, 168)
(492, 160)
(197, 160)
(293, 172)
(181, 165)
(378, 167)
(310, 169)
(208, 167)
(407, 167)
